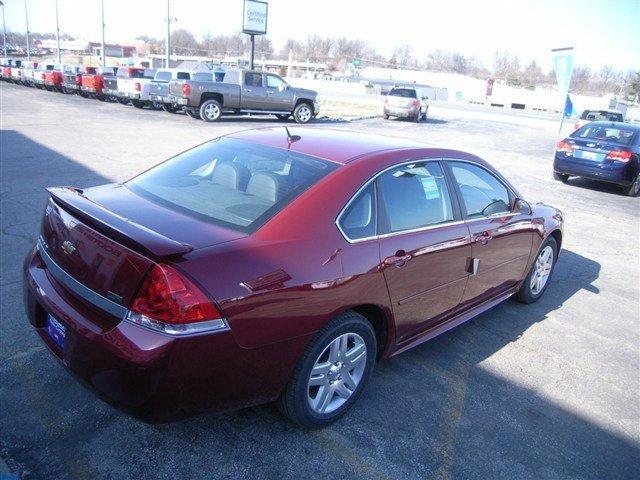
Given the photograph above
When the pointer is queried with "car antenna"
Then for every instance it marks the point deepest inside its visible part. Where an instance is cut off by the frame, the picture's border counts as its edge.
(291, 138)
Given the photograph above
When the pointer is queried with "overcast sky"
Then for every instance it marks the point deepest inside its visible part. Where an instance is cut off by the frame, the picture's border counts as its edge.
(603, 32)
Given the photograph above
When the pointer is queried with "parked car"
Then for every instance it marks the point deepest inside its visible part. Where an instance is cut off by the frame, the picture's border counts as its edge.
(136, 89)
(93, 83)
(15, 72)
(266, 265)
(53, 78)
(159, 87)
(72, 77)
(110, 88)
(406, 102)
(39, 73)
(604, 151)
(598, 115)
(244, 91)
(28, 72)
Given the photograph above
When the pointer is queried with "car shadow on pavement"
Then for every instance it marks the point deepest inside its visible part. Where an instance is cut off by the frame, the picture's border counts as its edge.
(453, 407)
(587, 183)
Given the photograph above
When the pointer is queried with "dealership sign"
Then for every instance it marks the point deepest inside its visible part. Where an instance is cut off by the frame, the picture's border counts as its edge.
(254, 18)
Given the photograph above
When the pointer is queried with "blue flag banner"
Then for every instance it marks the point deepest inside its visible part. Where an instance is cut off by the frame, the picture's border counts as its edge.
(568, 107)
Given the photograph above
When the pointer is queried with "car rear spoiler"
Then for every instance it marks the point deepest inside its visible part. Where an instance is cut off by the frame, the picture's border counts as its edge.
(120, 228)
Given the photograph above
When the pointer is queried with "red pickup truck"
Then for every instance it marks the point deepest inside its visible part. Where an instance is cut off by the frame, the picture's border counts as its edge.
(93, 83)
(53, 78)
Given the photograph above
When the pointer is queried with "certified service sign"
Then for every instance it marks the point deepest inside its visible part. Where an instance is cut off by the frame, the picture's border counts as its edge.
(254, 20)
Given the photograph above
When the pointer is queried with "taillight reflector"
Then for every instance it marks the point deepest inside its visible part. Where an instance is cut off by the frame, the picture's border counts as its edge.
(138, 87)
(619, 155)
(564, 146)
(186, 90)
(171, 303)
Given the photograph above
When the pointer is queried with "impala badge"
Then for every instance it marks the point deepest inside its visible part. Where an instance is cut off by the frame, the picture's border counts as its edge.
(68, 247)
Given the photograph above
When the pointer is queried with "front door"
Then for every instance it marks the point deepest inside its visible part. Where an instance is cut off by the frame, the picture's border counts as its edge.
(253, 92)
(279, 95)
(424, 245)
(501, 238)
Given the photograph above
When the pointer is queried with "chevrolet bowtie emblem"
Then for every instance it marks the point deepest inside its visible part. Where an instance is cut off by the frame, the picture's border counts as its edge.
(68, 247)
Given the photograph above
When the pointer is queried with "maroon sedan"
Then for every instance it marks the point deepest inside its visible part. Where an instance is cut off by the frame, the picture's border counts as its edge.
(265, 266)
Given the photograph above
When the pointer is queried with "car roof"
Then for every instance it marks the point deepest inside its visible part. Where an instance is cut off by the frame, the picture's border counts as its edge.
(335, 145)
(604, 123)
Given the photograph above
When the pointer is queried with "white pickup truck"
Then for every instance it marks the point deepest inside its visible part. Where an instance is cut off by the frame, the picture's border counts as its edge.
(136, 89)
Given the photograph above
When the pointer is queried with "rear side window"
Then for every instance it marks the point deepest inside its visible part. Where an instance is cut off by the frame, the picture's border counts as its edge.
(482, 193)
(359, 219)
(163, 76)
(232, 183)
(603, 133)
(414, 196)
(253, 79)
(183, 76)
(403, 92)
(203, 77)
(137, 74)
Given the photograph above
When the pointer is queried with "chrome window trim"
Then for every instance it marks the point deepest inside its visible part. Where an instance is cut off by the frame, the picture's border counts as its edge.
(497, 177)
(384, 235)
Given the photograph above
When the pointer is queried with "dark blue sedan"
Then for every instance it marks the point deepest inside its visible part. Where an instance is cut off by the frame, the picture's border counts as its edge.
(605, 151)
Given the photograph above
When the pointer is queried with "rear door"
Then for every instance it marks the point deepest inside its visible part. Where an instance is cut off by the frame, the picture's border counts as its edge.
(254, 92)
(424, 245)
(501, 238)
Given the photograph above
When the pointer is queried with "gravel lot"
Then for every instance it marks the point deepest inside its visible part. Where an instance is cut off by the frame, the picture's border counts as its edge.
(549, 390)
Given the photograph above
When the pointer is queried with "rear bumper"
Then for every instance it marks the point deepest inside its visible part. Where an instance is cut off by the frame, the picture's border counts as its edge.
(110, 91)
(159, 98)
(154, 376)
(178, 100)
(608, 171)
(401, 112)
(88, 89)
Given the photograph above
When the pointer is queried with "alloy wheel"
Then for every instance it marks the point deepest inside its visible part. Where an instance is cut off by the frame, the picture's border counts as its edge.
(304, 114)
(542, 270)
(212, 111)
(336, 373)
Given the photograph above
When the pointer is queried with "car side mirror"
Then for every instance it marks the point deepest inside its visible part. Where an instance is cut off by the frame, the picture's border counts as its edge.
(522, 206)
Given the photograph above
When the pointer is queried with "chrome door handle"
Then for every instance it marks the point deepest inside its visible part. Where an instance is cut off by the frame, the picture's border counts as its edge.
(399, 259)
(247, 90)
(482, 238)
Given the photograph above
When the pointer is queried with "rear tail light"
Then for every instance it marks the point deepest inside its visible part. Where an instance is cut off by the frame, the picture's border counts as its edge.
(186, 90)
(564, 146)
(170, 303)
(619, 155)
(42, 76)
(138, 87)
(78, 79)
(415, 103)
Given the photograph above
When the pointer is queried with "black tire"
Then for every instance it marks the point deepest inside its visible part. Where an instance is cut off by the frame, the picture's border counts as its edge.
(282, 117)
(210, 110)
(155, 105)
(525, 294)
(100, 97)
(137, 103)
(122, 101)
(192, 112)
(170, 107)
(634, 189)
(426, 113)
(418, 117)
(294, 400)
(560, 177)
(303, 113)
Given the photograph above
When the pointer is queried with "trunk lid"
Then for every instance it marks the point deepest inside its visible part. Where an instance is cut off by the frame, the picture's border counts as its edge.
(591, 151)
(402, 102)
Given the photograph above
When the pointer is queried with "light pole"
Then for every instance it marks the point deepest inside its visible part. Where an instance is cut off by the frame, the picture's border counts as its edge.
(58, 33)
(4, 30)
(102, 49)
(26, 21)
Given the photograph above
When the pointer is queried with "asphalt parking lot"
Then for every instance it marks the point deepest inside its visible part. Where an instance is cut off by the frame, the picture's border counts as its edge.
(549, 390)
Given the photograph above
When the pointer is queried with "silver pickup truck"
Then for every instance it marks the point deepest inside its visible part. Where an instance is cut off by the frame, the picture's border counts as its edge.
(244, 91)
(159, 87)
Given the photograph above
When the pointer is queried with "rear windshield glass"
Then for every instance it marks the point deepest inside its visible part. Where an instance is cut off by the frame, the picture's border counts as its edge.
(137, 74)
(403, 92)
(183, 76)
(163, 76)
(229, 182)
(149, 73)
(203, 77)
(604, 133)
(596, 115)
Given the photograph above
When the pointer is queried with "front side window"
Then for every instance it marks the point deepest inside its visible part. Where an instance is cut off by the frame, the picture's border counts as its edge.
(415, 196)
(359, 219)
(235, 184)
(482, 193)
(274, 82)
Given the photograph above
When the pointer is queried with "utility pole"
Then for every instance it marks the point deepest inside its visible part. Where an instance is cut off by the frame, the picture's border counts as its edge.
(253, 50)
(102, 50)
(58, 33)
(4, 29)
(26, 21)
(168, 42)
